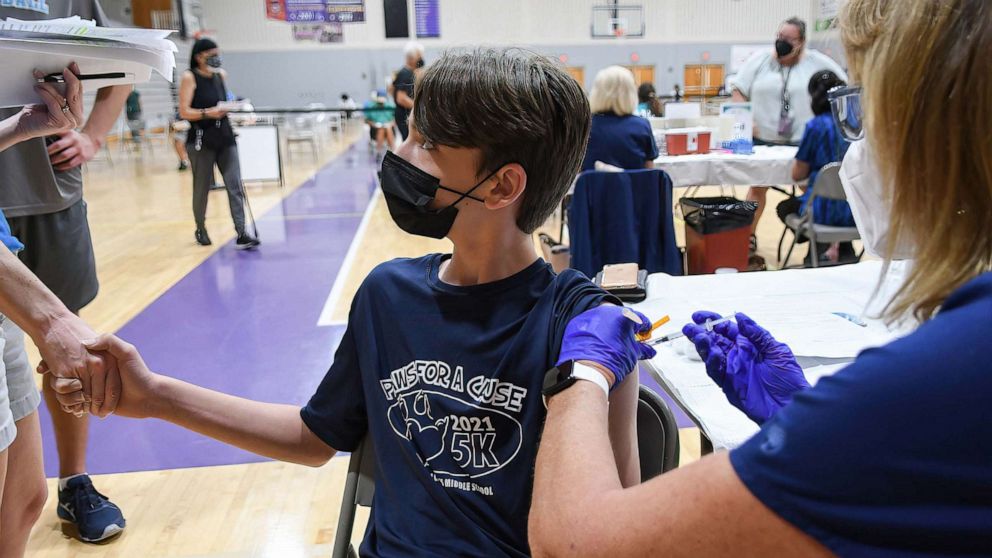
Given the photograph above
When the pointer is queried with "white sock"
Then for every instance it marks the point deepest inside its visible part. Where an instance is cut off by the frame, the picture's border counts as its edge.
(64, 481)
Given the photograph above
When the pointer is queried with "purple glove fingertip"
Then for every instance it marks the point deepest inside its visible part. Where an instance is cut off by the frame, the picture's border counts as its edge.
(647, 351)
(756, 334)
(703, 316)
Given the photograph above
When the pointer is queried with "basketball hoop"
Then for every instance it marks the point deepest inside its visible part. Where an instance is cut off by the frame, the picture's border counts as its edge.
(617, 21)
(619, 27)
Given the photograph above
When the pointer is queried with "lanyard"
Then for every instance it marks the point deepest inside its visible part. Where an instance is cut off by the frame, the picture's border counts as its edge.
(786, 100)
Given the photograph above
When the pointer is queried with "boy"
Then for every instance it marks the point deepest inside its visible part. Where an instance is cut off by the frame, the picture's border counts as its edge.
(444, 356)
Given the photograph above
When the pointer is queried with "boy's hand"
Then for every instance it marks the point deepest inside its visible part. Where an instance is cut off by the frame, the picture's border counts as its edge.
(138, 383)
(604, 336)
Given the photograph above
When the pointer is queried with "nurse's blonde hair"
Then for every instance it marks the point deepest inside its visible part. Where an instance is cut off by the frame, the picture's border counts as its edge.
(614, 91)
(926, 68)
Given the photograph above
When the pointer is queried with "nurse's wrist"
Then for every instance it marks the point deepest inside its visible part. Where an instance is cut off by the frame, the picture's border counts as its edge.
(607, 374)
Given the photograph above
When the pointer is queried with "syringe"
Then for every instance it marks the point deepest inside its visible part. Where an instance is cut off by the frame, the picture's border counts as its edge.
(708, 326)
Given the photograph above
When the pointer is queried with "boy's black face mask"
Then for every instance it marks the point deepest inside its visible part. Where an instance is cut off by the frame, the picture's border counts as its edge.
(409, 192)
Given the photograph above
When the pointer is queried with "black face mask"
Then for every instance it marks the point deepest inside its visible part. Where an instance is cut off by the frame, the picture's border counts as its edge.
(783, 48)
(213, 61)
(409, 191)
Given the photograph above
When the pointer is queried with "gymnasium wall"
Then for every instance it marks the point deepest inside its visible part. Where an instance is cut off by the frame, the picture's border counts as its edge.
(272, 69)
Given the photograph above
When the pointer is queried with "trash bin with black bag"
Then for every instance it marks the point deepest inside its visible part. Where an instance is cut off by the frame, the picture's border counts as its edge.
(717, 230)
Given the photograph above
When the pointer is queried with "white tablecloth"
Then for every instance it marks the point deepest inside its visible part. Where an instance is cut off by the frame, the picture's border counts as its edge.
(768, 165)
(796, 306)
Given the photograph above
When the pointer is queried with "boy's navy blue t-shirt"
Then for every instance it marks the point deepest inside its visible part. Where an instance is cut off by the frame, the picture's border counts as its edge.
(891, 456)
(447, 382)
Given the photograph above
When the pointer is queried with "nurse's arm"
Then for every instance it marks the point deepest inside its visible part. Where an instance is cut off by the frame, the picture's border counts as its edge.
(579, 507)
(736, 96)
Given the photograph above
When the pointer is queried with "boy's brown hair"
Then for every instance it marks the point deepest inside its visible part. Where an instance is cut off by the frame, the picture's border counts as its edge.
(516, 106)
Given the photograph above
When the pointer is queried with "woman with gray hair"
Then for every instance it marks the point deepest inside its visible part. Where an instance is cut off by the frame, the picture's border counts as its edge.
(618, 137)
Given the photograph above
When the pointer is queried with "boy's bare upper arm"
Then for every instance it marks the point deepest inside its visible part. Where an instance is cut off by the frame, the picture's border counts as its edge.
(623, 430)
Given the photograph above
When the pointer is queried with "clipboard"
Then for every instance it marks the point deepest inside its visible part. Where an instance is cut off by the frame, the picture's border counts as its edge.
(20, 58)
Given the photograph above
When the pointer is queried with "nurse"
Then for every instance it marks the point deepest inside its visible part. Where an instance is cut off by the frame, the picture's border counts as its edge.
(891, 456)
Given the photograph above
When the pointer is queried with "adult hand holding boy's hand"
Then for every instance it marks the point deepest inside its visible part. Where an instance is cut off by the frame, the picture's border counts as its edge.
(129, 383)
(138, 384)
(604, 337)
(80, 379)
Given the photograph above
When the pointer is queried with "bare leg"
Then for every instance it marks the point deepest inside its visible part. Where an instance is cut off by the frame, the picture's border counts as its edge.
(71, 435)
(380, 138)
(3, 481)
(26, 491)
(390, 139)
(181, 151)
(757, 194)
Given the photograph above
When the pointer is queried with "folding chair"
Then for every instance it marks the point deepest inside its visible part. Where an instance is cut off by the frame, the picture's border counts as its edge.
(657, 435)
(620, 217)
(359, 488)
(303, 129)
(827, 186)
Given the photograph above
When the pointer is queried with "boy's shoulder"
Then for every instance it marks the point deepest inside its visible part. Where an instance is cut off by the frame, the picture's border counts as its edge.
(399, 269)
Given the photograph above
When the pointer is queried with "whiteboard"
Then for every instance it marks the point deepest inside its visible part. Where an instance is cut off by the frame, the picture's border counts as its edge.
(258, 150)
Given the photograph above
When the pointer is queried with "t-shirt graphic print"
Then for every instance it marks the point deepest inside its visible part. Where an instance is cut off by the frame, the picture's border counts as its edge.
(445, 382)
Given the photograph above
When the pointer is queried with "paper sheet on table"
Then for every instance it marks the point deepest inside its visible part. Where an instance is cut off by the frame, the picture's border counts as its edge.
(232, 105)
(796, 306)
(704, 401)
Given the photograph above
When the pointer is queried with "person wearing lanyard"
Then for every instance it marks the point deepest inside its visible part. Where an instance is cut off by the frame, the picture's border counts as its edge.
(211, 140)
(891, 455)
(775, 85)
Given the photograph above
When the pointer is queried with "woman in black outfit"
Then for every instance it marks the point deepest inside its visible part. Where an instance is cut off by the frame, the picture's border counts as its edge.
(210, 141)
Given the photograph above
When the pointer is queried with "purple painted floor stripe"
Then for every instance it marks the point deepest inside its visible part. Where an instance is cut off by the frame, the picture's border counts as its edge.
(242, 323)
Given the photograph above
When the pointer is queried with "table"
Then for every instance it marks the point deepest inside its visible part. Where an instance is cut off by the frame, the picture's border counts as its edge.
(796, 306)
(768, 165)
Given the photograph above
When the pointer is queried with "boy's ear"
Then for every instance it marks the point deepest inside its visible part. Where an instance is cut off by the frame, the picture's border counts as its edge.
(509, 184)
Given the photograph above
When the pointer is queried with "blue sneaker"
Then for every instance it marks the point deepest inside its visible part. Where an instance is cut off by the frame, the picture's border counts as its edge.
(86, 514)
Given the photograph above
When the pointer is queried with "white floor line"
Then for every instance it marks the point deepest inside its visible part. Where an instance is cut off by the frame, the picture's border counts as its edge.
(327, 314)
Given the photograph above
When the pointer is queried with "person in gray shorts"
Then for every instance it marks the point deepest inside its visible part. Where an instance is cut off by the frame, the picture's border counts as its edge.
(41, 192)
(26, 303)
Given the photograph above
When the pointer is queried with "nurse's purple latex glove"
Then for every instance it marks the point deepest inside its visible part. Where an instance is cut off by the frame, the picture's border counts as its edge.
(758, 374)
(605, 336)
